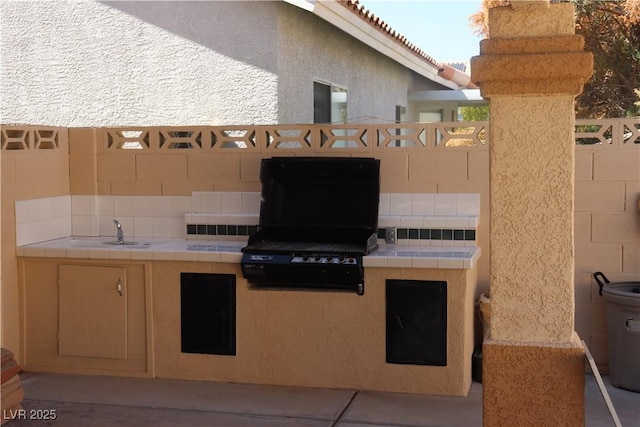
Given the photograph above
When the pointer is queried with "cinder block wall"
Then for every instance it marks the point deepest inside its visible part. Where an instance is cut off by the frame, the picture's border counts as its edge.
(179, 172)
(34, 164)
(607, 233)
(607, 218)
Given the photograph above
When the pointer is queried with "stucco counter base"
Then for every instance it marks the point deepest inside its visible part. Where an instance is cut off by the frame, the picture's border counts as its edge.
(309, 338)
(314, 338)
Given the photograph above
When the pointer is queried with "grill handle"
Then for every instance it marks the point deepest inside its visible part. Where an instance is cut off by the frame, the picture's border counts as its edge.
(598, 275)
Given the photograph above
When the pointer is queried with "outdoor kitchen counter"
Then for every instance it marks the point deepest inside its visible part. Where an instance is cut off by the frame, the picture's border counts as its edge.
(161, 249)
(332, 339)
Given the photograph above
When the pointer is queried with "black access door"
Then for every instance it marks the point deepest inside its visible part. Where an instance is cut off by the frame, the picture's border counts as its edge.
(416, 322)
(208, 313)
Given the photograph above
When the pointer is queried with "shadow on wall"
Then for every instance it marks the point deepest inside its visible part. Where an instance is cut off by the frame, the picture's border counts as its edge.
(246, 31)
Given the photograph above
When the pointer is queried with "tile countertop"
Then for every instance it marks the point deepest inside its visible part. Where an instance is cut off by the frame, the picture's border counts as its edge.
(159, 249)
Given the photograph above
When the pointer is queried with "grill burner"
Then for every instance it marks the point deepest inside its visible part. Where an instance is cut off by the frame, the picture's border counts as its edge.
(318, 218)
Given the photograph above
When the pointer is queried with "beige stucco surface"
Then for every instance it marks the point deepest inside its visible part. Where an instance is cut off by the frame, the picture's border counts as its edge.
(512, 396)
(40, 297)
(318, 339)
(288, 337)
(532, 219)
(531, 81)
(531, 21)
(532, 158)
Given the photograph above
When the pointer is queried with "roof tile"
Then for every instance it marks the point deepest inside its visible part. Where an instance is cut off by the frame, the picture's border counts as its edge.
(365, 14)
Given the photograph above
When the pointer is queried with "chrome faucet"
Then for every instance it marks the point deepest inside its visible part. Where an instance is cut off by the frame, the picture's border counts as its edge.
(119, 232)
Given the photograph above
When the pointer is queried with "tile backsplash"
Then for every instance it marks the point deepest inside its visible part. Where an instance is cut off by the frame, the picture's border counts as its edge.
(43, 219)
(203, 215)
(429, 204)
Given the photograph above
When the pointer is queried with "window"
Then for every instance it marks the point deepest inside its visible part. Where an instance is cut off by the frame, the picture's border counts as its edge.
(329, 103)
(401, 114)
(431, 116)
(401, 117)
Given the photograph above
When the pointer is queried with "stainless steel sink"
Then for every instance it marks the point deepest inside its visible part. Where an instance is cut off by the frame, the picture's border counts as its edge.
(125, 243)
(98, 242)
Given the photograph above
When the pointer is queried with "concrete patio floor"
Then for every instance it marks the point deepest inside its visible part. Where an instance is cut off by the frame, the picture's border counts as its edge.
(82, 401)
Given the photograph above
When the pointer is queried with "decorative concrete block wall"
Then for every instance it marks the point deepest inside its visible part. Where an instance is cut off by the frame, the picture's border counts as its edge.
(607, 219)
(607, 232)
(35, 164)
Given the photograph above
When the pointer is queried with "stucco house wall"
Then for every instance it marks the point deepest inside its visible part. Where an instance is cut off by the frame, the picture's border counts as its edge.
(83, 64)
(134, 63)
(311, 49)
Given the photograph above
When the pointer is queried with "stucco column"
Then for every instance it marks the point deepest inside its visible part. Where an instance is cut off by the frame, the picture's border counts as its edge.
(531, 68)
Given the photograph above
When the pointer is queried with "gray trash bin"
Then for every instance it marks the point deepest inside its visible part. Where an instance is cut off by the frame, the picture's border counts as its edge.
(622, 306)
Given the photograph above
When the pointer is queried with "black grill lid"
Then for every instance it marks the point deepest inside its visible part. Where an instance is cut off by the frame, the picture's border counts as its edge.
(319, 195)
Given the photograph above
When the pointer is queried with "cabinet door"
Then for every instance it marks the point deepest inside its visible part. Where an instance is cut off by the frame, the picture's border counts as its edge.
(93, 311)
(416, 322)
(208, 313)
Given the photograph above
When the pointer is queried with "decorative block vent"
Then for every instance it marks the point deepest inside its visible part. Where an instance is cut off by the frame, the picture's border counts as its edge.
(401, 136)
(46, 139)
(233, 138)
(295, 138)
(180, 139)
(607, 132)
(127, 139)
(457, 136)
(16, 138)
(353, 137)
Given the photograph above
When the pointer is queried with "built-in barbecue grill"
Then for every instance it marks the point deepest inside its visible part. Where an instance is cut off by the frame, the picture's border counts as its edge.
(318, 218)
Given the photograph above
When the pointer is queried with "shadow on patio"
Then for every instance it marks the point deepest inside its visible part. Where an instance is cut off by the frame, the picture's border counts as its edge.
(107, 401)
